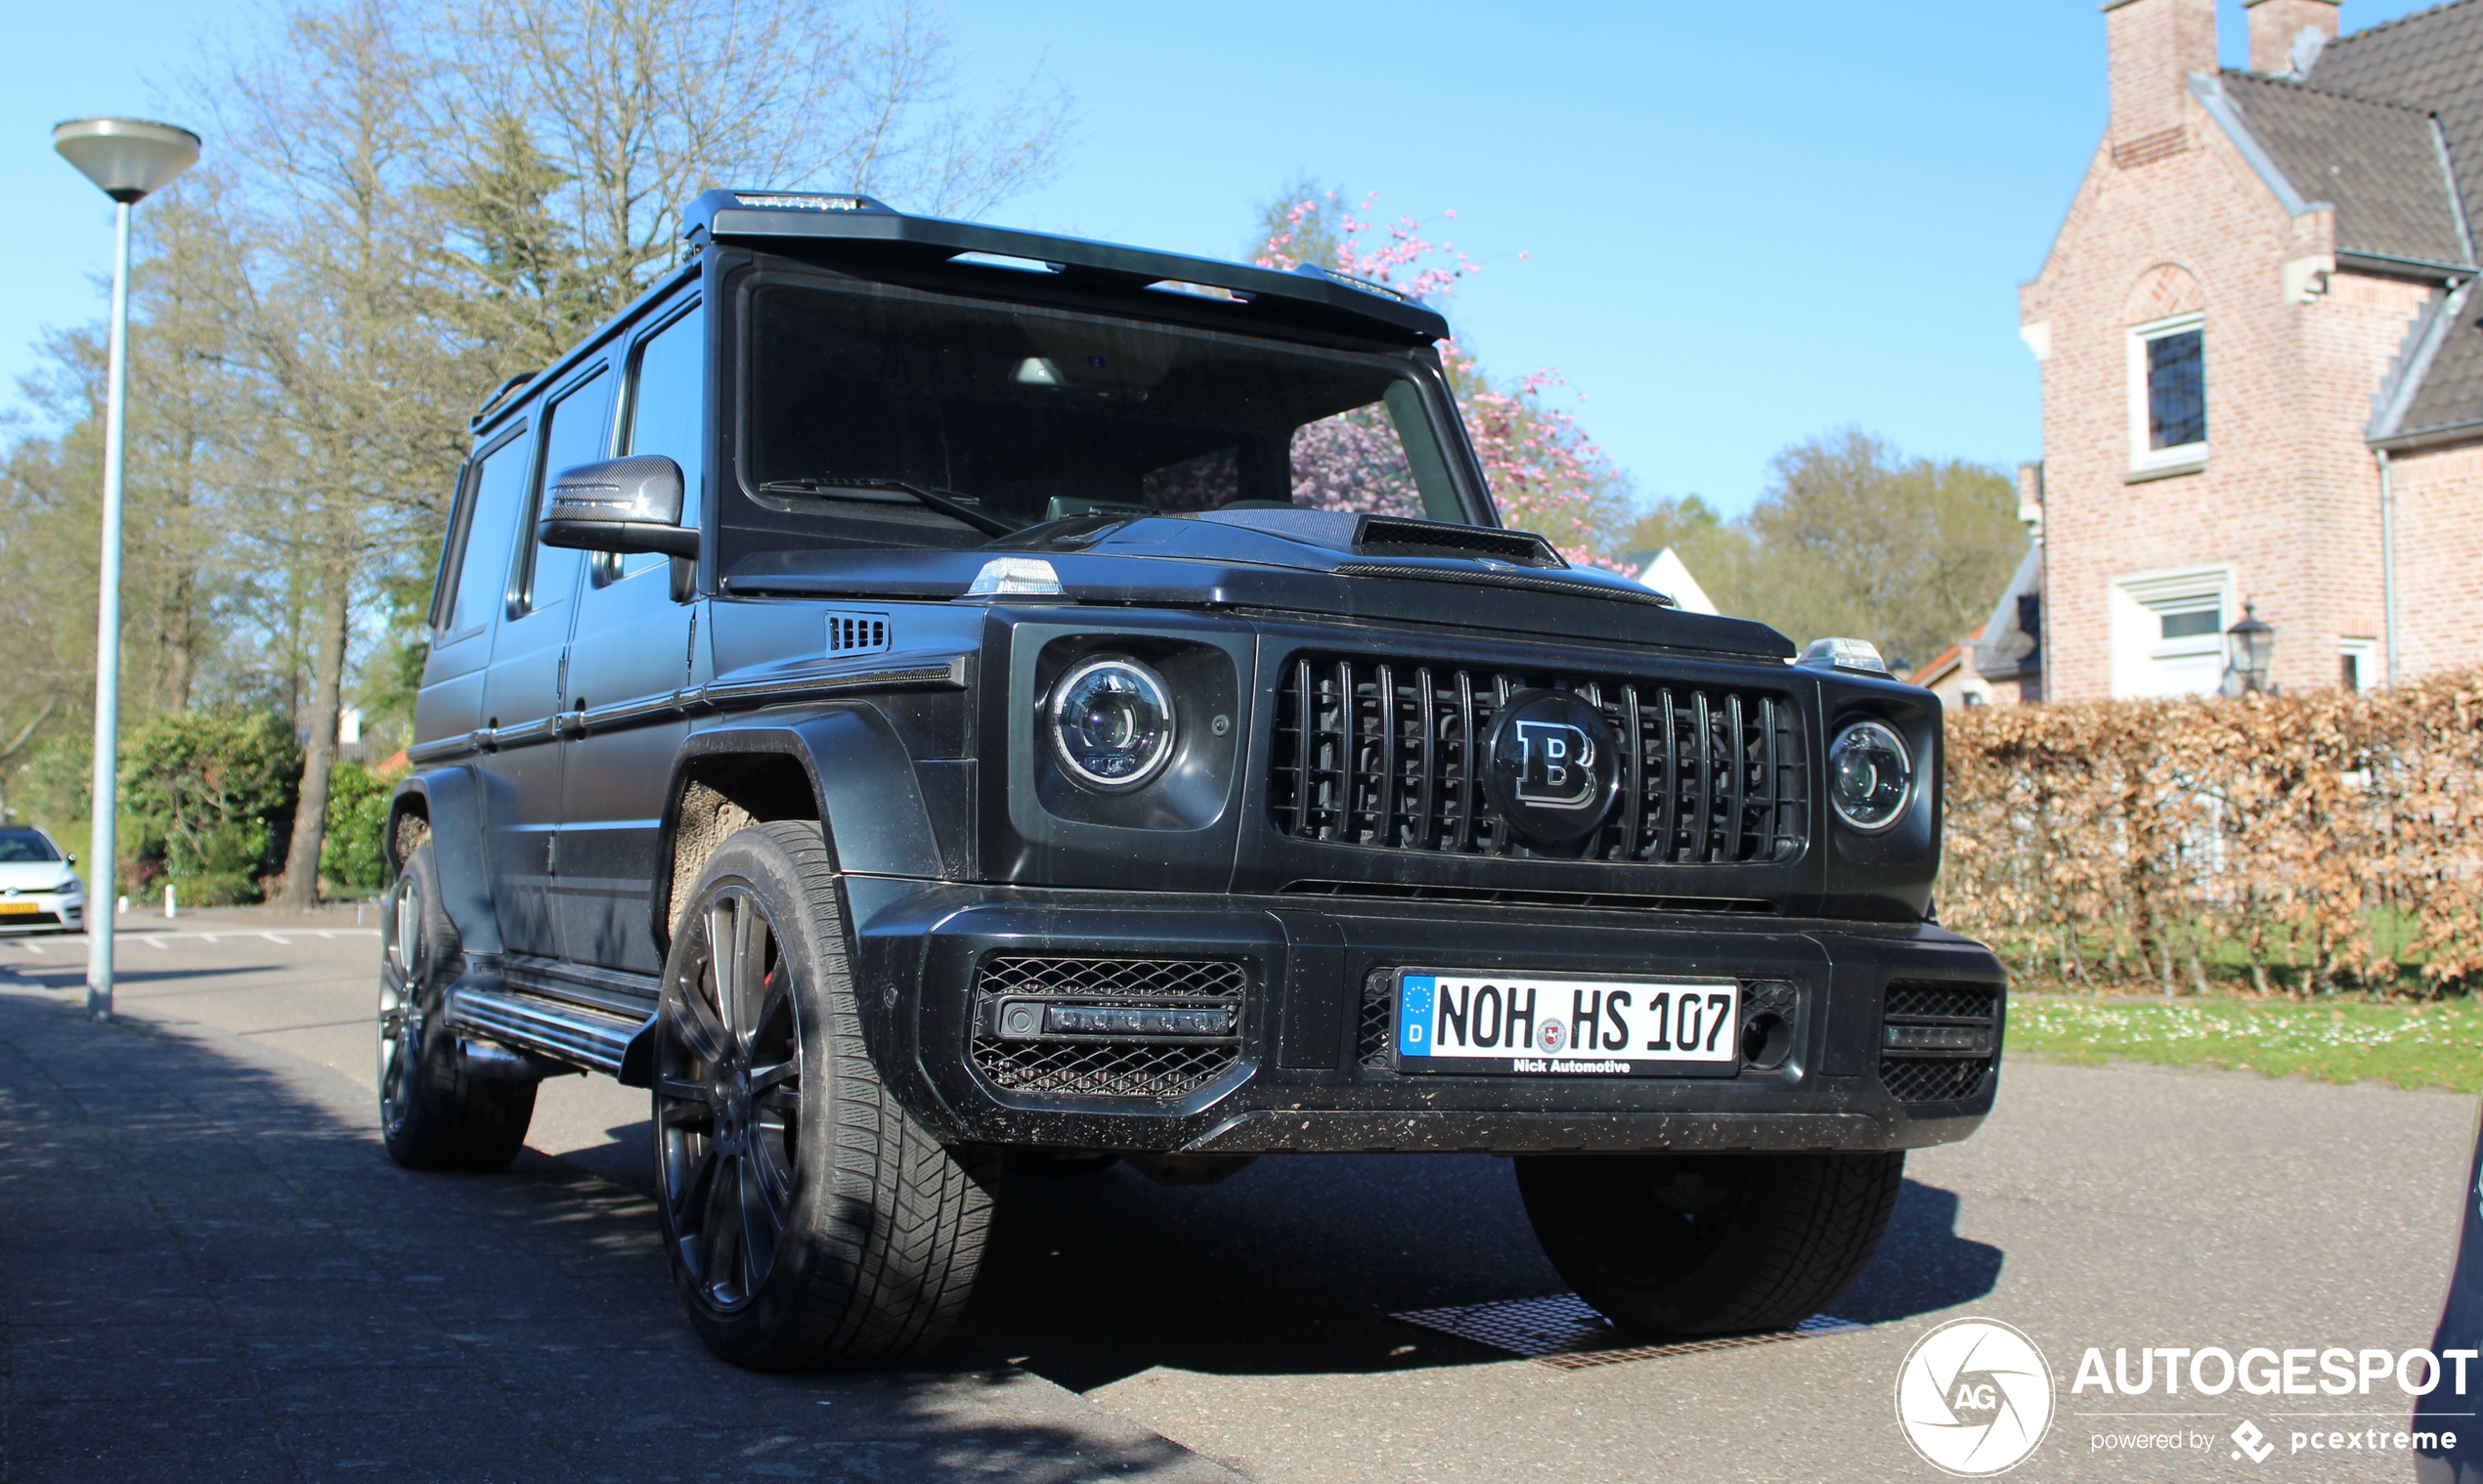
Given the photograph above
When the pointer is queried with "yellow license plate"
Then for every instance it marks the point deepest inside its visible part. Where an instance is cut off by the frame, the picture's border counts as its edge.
(19, 909)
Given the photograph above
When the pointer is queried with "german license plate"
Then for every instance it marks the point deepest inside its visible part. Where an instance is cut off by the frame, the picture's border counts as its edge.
(1532, 1026)
(19, 908)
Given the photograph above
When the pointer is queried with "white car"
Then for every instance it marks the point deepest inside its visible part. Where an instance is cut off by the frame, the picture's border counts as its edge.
(39, 891)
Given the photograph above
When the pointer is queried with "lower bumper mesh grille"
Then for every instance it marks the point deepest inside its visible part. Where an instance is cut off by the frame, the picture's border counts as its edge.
(1109, 1064)
(1938, 1042)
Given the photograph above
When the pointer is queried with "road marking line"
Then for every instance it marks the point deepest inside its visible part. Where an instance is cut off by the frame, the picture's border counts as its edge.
(272, 937)
(157, 943)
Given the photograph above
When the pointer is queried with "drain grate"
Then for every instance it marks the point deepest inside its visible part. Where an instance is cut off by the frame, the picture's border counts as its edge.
(1562, 1331)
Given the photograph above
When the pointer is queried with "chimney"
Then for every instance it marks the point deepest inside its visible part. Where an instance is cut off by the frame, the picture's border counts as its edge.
(2276, 41)
(2154, 46)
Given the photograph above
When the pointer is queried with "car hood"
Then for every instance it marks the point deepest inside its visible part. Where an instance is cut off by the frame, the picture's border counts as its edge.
(32, 875)
(1287, 560)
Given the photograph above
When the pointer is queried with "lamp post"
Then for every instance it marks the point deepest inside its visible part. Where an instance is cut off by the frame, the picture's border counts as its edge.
(2249, 646)
(129, 160)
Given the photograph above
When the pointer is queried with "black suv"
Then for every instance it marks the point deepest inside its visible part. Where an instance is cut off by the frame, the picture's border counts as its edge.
(919, 696)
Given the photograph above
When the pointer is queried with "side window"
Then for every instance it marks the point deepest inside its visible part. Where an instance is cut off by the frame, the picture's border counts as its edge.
(668, 414)
(491, 530)
(2167, 392)
(573, 434)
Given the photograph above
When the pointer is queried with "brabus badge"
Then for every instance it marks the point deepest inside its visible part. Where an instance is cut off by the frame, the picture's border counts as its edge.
(1554, 773)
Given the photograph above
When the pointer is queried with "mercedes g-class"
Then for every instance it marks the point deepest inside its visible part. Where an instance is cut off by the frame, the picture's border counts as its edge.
(918, 696)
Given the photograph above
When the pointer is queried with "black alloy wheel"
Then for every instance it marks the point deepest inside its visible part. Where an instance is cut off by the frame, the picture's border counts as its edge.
(728, 1100)
(433, 1115)
(811, 1221)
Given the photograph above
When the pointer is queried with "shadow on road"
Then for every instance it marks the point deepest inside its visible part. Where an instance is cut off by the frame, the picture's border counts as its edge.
(66, 976)
(214, 1272)
(1293, 1265)
(1922, 1263)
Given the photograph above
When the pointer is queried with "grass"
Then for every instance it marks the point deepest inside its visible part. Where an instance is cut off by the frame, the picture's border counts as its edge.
(2334, 1039)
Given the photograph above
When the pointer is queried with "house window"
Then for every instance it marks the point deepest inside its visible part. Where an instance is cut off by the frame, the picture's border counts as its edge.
(2169, 393)
(2167, 632)
(2358, 665)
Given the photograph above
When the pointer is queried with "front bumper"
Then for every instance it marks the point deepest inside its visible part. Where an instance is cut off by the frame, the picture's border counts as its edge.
(42, 912)
(1309, 1071)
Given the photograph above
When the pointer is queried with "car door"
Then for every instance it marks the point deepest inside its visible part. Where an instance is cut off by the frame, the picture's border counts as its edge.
(473, 584)
(521, 694)
(631, 647)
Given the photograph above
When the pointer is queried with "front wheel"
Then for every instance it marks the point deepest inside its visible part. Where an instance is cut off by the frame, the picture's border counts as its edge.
(1695, 1245)
(812, 1223)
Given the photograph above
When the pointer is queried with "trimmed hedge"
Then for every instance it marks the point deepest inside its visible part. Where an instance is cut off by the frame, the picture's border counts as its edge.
(2310, 842)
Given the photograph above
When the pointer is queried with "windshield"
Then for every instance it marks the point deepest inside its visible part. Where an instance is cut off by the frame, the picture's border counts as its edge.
(25, 847)
(886, 417)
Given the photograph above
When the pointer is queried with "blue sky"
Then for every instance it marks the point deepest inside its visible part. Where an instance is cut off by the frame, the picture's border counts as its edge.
(1742, 225)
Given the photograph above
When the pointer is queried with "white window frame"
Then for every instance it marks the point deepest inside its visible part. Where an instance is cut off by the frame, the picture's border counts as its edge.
(2137, 605)
(2142, 459)
(2365, 653)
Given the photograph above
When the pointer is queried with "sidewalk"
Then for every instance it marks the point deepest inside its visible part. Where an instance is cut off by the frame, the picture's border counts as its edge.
(208, 1270)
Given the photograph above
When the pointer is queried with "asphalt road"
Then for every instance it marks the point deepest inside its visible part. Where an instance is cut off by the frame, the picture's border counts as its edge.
(207, 1269)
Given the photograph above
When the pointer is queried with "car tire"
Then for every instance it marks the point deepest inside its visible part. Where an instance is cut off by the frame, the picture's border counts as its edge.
(811, 1221)
(1684, 1246)
(432, 1114)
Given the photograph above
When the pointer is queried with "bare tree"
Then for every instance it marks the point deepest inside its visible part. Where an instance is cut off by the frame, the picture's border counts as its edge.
(416, 205)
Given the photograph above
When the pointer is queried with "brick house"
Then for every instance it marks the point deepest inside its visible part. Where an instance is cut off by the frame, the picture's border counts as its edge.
(2262, 363)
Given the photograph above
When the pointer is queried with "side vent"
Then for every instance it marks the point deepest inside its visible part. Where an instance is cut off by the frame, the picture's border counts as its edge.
(850, 631)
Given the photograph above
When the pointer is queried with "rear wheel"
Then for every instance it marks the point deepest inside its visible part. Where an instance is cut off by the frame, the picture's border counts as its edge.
(1693, 1244)
(812, 1223)
(432, 1115)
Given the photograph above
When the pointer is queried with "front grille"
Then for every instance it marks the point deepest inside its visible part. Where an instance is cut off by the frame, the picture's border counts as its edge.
(1090, 1053)
(1938, 1041)
(1384, 754)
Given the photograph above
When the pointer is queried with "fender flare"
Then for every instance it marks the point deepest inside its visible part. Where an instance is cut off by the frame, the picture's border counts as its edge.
(452, 803)
(862, 782)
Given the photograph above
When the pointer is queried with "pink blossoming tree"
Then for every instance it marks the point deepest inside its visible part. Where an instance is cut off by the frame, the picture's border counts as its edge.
(1545, 474)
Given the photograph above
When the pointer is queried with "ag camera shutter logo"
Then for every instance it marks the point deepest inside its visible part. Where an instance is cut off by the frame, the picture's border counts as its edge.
(1973, 1397)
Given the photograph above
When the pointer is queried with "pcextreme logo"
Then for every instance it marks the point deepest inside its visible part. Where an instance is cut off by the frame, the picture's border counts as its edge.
(1973, 1397)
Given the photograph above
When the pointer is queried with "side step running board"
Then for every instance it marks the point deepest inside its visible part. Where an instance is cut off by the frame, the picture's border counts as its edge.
(571, 1033)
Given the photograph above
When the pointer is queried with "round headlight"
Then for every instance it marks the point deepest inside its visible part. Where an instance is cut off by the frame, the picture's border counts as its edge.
(1871, 776)
(1112, 722)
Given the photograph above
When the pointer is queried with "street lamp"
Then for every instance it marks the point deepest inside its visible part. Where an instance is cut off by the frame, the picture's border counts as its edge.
(129, 159)
(2249, 646)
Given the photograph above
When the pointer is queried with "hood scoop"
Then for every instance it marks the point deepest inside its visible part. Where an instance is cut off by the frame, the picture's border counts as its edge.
(1393, 535)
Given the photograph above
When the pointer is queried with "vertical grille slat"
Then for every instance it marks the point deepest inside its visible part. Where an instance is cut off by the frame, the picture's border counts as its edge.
(1633, 774)
(1385, 808)
(1703, 762)
(1387, 755)
(1465, 786)
(1736, 777)
(1424, 827)
(1671, 821)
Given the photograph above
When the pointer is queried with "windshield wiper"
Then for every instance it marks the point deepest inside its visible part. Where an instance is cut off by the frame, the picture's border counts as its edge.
(950, 503)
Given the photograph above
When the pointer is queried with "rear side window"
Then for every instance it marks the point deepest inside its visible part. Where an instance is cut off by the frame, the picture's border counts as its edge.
(668, 412)
(573, 434)
(489, 537)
